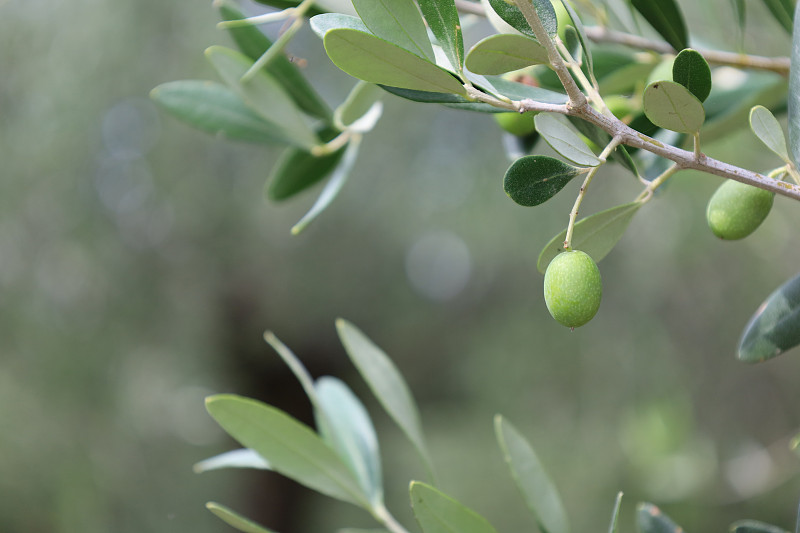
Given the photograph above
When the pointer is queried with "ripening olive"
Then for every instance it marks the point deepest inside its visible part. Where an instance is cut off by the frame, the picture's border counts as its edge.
(736, 209)
(520, 124)
(572, 288)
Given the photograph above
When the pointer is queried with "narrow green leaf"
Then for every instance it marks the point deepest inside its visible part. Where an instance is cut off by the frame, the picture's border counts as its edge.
(794, 95)
(243, 458)
(386, 383)
(235, 520)
(436, 512)
(612, 528)
(572, 42)
(601, 138)
(520, 91)
(263, 94)
(754, 526)
(505, 52)
(740, 13)
(332, 188)
(352, 435)
(253, 43)
(295, 365)
(510, 13)
(322, 24)
(283, 4)
(534, 179)
(666, 18)
(769, 131)
(595, 235)
(564, 140)
(292, 448)
(358, 103)
(371, 59)
(214, 108)
(691, 70)
(578, 24)
(775, 327)
(297, 169)
(537, 489)
(782, 12)
(671, 106)
(650, 519)
(450, 100)
(396, 21)
(442, 18)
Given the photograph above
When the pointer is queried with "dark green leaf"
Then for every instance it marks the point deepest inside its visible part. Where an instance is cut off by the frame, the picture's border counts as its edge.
(775, 327)
(291, 448)
(666, 18)
(650, 519)
(442, 18)
(671, 106)
(782, 11)
(794, 97)
(242, 458)
(601, 138)
(253, 43)
(321, 24)
(396, 21)
(216, 109)
(505, 52)
(754, 526)
(595, 235)
(235, 520)
(539, 492)
(372, 59)
(691, 70)
(584, 41)
(572, 42)
(509, 12)
(297, 170)
(437, 512)
(534, 179)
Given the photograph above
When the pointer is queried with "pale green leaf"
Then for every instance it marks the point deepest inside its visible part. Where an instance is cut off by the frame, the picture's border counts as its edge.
(520, 91)
(396, 21)
(505, 52)
(794, 95)
(242, 458)
(292, 448)
(769, 131)
(775, 326)
(612, 528)
(263, 94)
(564, 140)
(322, 24)
(442, 18)
(371, 59)
(595, 235)
(358, 103)
(436, 512)
(672, 106)
(235, 520)
(538, 490)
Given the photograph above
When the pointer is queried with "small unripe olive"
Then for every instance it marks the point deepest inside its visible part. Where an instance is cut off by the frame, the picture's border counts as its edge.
(572, 288)
(520, 124)
(736, 209)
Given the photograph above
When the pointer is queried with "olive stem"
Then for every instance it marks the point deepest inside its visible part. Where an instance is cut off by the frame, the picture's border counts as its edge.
(647, 194)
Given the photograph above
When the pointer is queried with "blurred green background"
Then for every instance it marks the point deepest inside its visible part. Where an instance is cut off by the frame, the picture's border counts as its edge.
(139, 266)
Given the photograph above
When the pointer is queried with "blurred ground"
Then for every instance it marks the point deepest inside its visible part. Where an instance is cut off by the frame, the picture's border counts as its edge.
(139, 267)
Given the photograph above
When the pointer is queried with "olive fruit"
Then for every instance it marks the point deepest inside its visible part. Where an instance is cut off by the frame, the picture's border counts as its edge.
(572, 288)
(520, 124)
(736, 209)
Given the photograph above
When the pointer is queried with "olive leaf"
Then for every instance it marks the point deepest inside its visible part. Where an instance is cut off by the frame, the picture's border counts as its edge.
(794, 96)
(534, 179)
(650, 519)
(666, 18)
(769, 131)
(782, 12)
(235, 520)
(242, 458)
(672, 106)
(775, 326)
(505, 52)
(510, 13)
(564, 140)
(691, 70)
(396, 21)
(612, 528)
(442, 18)
(436, 512)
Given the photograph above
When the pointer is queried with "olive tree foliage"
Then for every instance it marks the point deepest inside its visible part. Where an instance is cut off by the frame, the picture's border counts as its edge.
(585, 77)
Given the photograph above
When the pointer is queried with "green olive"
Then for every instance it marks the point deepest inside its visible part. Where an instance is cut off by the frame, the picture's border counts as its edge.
(519, 124)
(572, 288)
(736, 209)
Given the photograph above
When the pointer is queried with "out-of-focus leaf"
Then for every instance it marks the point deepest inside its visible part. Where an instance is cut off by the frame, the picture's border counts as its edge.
(601, 138)
(537, 489)
(321, 24)
(564, 140)
(372, 59)
(283, 4)
(214, 108)
(769, 131)
(666, 18)
(396, 21)
(297, 169)
(436, 512)
(794, 96)
(516, 146)
(510, 13)
(576, 22)
(442, 18)
(352, 435)
(292, 448)
(775, 326)
(671, 106)
(727, 110)
(595, 235)
(612, 528)
(650, 519)
(243, 458)
(740, 13)
(691, 70)
(534, 179)
(754, 526)
(505, 52)
(253, 43)
(332, 188)
(572, 42)
(358, 103)
(449, 100)
(386, 383)
(782, 11)
(235, 520)
(263, 94)
(520, 91)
